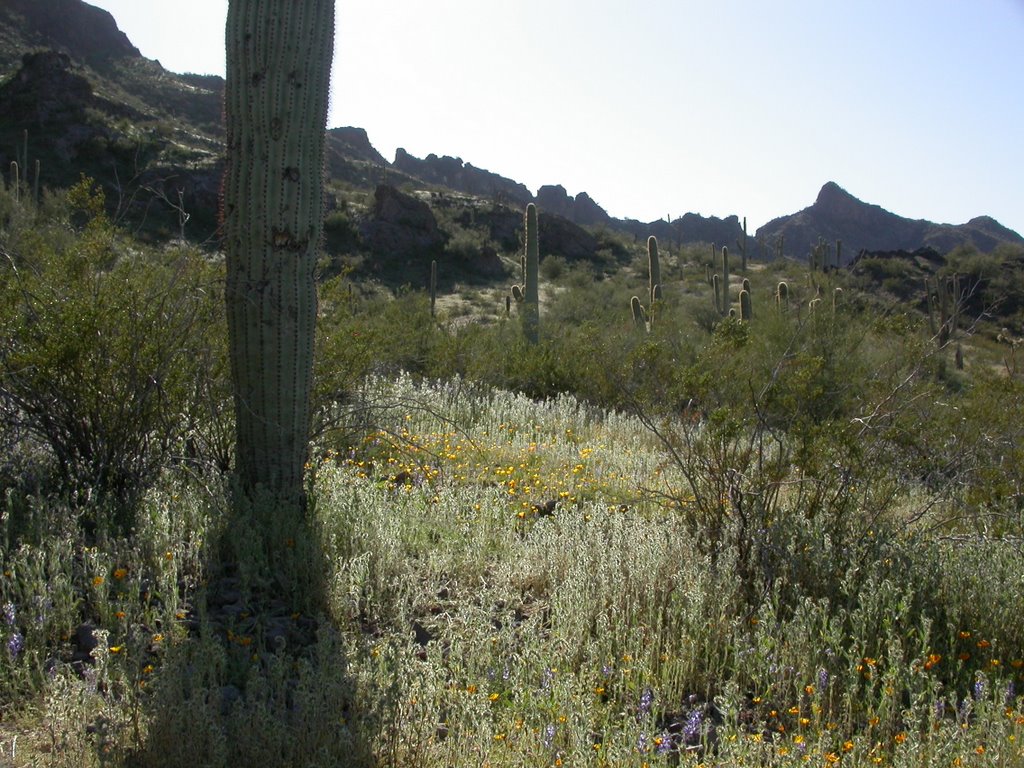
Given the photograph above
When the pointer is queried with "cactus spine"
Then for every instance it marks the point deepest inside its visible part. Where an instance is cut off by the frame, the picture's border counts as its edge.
(278, 64)
(527, 295)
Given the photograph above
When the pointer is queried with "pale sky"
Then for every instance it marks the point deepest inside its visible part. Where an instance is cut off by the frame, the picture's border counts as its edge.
(662, 107)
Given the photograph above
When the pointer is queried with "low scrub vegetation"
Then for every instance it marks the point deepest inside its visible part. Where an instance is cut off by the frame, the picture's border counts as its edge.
(708, 541)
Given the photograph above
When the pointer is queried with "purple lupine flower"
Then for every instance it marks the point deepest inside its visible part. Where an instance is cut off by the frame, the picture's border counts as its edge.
(822, 679)
(607, 670)
(1011, 693)
(979, 687)
(692, 729)
(15, 643)
(665, 745)
(547, 678)
(9, 615)
(641, 742)
(646, 700)
(549, 736)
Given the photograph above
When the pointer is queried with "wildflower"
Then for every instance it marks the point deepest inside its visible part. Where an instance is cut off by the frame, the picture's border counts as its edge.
(983, 644)
(964, 656)
(14, 644)
(116, 648)
(120, 573)
(646, 700)
(494, 696)
(547, 678)
(933, 659)
(9, 614)
(692, 729)
(900, 737)
(979, 687)
(663, 744)
(549, 735)
(97, 580)
(832, 758)
(847, 746)
(964, 634)
(119, 614)
(641, 742)
(809, 690)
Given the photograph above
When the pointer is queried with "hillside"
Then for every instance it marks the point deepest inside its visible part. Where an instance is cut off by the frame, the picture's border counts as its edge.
(78, 97)
(838, 215)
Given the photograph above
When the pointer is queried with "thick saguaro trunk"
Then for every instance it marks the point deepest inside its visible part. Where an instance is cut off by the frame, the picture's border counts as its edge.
(279, 56)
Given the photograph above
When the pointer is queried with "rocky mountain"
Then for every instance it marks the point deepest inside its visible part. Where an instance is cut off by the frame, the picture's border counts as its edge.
(838, 215)
(77, 97)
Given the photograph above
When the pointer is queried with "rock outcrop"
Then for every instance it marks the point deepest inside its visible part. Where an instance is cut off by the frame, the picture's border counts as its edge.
(581, 209)
(453, 173)
(402, 226)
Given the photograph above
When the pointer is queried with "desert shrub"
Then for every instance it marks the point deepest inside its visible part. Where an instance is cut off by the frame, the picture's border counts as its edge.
(107, 348)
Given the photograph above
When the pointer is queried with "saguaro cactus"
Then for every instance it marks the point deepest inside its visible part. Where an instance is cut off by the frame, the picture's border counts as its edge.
(741, 245)
(278, 75)
(782, 296)
(644, 318)
(15, 180)
(639, 315)
(745, 306)
(433, 286)
(726, 300)
(654, 269)
(528, 295)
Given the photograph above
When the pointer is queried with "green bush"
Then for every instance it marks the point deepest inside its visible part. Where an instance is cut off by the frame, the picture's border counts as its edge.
(111, 353)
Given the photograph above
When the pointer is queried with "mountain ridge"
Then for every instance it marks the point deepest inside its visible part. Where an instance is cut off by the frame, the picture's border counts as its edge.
(177, 118)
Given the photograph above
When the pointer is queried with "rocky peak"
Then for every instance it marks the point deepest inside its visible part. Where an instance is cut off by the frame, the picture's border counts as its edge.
(356, 143)
(83, 31)
(581, 209)
(453, 173)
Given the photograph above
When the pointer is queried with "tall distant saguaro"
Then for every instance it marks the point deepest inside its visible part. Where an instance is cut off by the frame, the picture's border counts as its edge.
(279, 56)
